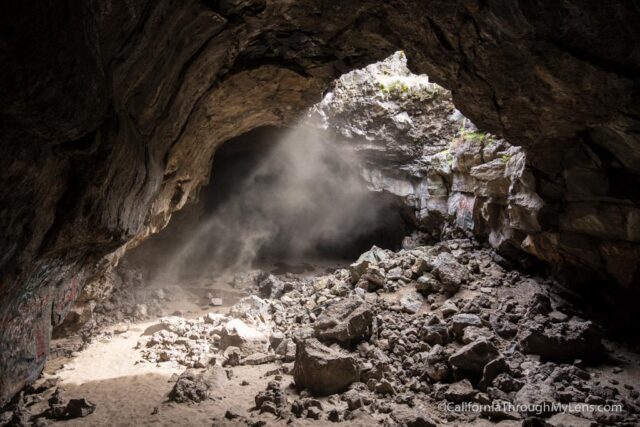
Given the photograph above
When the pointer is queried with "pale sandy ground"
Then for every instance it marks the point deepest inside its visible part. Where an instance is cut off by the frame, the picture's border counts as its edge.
(127, 393)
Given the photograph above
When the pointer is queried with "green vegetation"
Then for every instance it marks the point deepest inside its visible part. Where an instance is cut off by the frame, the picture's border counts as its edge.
(422, 91)
(448, 155)
(394, 87)
(505, 158)
(477, 137)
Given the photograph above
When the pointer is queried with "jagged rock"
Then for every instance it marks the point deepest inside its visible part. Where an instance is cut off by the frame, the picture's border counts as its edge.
(275, 339)
(287, 349)
(353, 398)
(323, 370)
(232, 356)
(409, 417)
(449, 308)
(258, 359)
(385, 387)
(561, 341)
(411, 302)
(501, 324)
(427, 284)
(307, 408)
(271, 287)
(420, 266)
(460, 391)
(473, 357)
(79, 408)
(195, 386)
(345, 321)
(507, 383)
(435, 332)
(435, 367)
(371, 257)
(460, 322)
(61, 409)
(236, 333)
(535, 395)
(252, 309)
(449, 272)
(492, 370)
(372, 279)
(473, 333)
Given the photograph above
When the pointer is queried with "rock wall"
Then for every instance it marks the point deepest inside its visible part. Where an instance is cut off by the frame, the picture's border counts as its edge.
(414, 143)
(112, 110)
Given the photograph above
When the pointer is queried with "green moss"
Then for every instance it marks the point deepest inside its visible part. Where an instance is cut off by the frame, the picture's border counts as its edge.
(505, 158)
(448, 155)
(477, 137)
(421, 92)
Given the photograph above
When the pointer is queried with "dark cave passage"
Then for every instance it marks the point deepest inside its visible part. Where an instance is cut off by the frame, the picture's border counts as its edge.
(328, 187)
(276, 196)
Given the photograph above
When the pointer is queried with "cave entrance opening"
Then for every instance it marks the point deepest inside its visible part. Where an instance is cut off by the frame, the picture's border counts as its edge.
(278, 200)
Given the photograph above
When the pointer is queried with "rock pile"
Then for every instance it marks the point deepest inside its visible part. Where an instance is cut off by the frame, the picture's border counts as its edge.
(400, 333)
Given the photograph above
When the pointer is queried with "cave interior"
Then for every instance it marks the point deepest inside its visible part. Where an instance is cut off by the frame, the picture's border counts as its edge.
(251, 212)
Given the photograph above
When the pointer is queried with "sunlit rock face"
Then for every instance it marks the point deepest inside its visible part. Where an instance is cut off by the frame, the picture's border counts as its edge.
(412, 142)
(111, 113)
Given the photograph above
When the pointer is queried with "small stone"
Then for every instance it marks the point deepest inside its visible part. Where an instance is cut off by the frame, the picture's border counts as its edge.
(411, 302)
(448, 309)
(215, 302)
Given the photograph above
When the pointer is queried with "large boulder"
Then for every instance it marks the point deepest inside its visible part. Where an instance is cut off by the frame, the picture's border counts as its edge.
(249, 340)
(323, 370)
(449, 272)
(194, 386)
(561, 341)
(473, 357)
(345, 321)
(371, 257)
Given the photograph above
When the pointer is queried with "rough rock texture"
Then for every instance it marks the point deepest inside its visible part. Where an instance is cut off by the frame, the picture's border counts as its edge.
(194, 386)
(473, 357)
(344, 321)
(562, 341)
(398, 372)
(111, 113)
(323, 370)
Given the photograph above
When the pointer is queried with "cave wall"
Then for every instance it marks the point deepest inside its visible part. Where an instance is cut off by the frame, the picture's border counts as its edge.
(112, 110)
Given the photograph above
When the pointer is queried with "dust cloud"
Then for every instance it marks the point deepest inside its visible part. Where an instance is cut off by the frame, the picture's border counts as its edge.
(304, 199)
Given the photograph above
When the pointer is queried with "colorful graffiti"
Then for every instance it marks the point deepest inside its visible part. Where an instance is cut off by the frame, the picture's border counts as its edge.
(464, 212)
